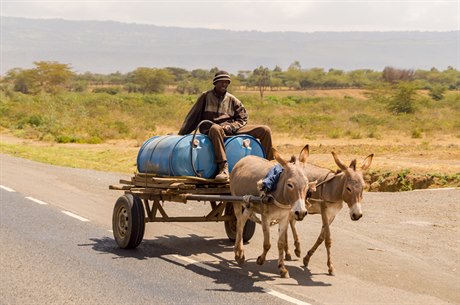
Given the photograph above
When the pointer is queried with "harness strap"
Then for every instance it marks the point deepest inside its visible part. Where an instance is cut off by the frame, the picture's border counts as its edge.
(282, 206)
(326, 179)
(320, 200)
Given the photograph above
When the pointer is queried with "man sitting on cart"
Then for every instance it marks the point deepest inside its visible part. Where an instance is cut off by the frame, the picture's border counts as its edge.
(229, 118)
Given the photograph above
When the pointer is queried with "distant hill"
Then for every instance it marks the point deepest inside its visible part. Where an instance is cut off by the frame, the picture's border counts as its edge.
(107, 46)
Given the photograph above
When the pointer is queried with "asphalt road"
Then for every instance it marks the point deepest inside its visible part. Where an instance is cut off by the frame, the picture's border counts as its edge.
(57, 248)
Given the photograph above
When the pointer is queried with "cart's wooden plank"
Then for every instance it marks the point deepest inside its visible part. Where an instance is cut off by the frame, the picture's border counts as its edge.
(143, 190)
(192, 179)
(199, 191)
(129, 182)
(119, 187)
(165, 186)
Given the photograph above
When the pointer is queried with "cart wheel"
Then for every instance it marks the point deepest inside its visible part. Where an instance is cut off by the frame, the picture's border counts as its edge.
(128, 221)
(230, 225)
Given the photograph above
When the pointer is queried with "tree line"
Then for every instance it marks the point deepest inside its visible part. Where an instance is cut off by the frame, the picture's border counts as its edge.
(54, 77)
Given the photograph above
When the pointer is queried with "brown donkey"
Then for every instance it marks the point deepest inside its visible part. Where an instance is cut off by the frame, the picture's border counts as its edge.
(289, 196)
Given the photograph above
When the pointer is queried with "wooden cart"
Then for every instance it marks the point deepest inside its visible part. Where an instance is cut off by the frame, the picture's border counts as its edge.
(145, 195)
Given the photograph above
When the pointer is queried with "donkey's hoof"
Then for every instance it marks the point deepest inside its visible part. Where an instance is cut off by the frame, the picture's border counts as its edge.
(260, 260)
(284, 273)
(288, 257)
(297, 252)
(306, 260)
(331, 272)
(240, 259)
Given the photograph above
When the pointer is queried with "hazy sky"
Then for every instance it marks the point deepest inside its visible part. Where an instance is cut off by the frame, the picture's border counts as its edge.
(281, 15)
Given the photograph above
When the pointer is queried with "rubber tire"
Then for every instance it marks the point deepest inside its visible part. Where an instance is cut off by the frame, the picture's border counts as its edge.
(230, 226)
(128, 221)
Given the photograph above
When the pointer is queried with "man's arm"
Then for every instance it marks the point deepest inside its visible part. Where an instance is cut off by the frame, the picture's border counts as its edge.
(241, 116)
(193, 118)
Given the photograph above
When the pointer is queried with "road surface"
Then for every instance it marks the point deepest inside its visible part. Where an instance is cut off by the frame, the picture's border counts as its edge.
(57, 248)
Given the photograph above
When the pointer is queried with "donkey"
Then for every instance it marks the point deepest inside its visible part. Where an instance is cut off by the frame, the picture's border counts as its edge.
(332, 189)
(289, 197)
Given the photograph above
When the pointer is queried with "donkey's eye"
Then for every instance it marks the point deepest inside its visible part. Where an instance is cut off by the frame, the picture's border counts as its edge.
(290, 185)
(348, 189)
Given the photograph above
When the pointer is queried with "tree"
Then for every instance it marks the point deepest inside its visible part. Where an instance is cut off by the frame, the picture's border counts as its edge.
(293, 75)
(53, 76)
(180, 74)
(261, 78)
(150, 80)
(47, 76)
(393, 75)
(202, 74)
(295, 66)
(24, 80)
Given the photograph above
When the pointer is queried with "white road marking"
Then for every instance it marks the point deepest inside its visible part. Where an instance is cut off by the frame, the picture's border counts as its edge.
(75, 216)
(274, 293)
(7, 189)
(419, 223)
(437, 189)
(286, 297)
(37, 200)
(196, 263)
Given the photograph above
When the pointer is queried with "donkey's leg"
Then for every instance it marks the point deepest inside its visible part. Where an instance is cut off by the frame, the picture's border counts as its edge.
(295, 235)
(328, 244)
(266, 231)
(321, 236)
(283, 228)
(310, 252)
(241, 218)
(287, 253)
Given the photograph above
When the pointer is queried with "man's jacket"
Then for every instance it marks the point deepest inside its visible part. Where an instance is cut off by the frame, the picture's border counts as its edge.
(223, 110)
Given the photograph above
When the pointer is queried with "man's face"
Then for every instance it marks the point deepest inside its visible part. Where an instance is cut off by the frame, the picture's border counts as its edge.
(221, 86)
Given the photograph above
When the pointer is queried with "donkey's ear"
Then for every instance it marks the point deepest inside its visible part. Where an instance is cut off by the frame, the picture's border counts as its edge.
(278, 158)
(304, 154)
(353, 164)
(339, 162)
(367, 162)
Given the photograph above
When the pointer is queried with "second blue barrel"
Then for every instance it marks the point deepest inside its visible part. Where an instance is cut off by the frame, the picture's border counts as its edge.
(175, 155)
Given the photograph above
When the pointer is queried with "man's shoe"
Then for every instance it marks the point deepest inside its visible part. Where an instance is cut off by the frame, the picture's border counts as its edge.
(223, 173)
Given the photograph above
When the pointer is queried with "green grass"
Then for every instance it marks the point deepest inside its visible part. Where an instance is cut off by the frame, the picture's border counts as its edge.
(97, 158)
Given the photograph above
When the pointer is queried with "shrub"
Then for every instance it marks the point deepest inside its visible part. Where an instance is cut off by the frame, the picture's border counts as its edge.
(66, 139)
(108, 90)
(436, 92)
(403, 98)
(416, 134)
(334, 133)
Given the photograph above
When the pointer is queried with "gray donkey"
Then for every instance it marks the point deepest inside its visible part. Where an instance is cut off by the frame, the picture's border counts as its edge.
(332, 189)
(289, 196)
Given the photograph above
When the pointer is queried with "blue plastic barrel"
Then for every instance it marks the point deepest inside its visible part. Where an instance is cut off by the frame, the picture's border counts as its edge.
(240, 146)
(171, 156)
(176, 155)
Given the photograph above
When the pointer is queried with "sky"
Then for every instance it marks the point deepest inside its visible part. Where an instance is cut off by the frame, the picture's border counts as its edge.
(265, 16)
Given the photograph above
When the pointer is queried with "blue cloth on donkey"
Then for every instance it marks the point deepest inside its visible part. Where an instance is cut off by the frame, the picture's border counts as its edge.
(271, 179)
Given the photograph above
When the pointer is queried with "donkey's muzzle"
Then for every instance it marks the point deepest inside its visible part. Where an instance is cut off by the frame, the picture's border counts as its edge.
(300, 215)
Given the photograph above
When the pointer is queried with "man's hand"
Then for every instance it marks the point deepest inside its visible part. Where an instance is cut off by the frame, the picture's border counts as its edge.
(228, 129)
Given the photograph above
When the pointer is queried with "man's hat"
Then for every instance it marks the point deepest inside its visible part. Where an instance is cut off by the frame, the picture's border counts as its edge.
(221, 75)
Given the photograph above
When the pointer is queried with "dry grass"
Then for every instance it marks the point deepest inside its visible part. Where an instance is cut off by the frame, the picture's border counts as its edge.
(439, 156)
(345, 121)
